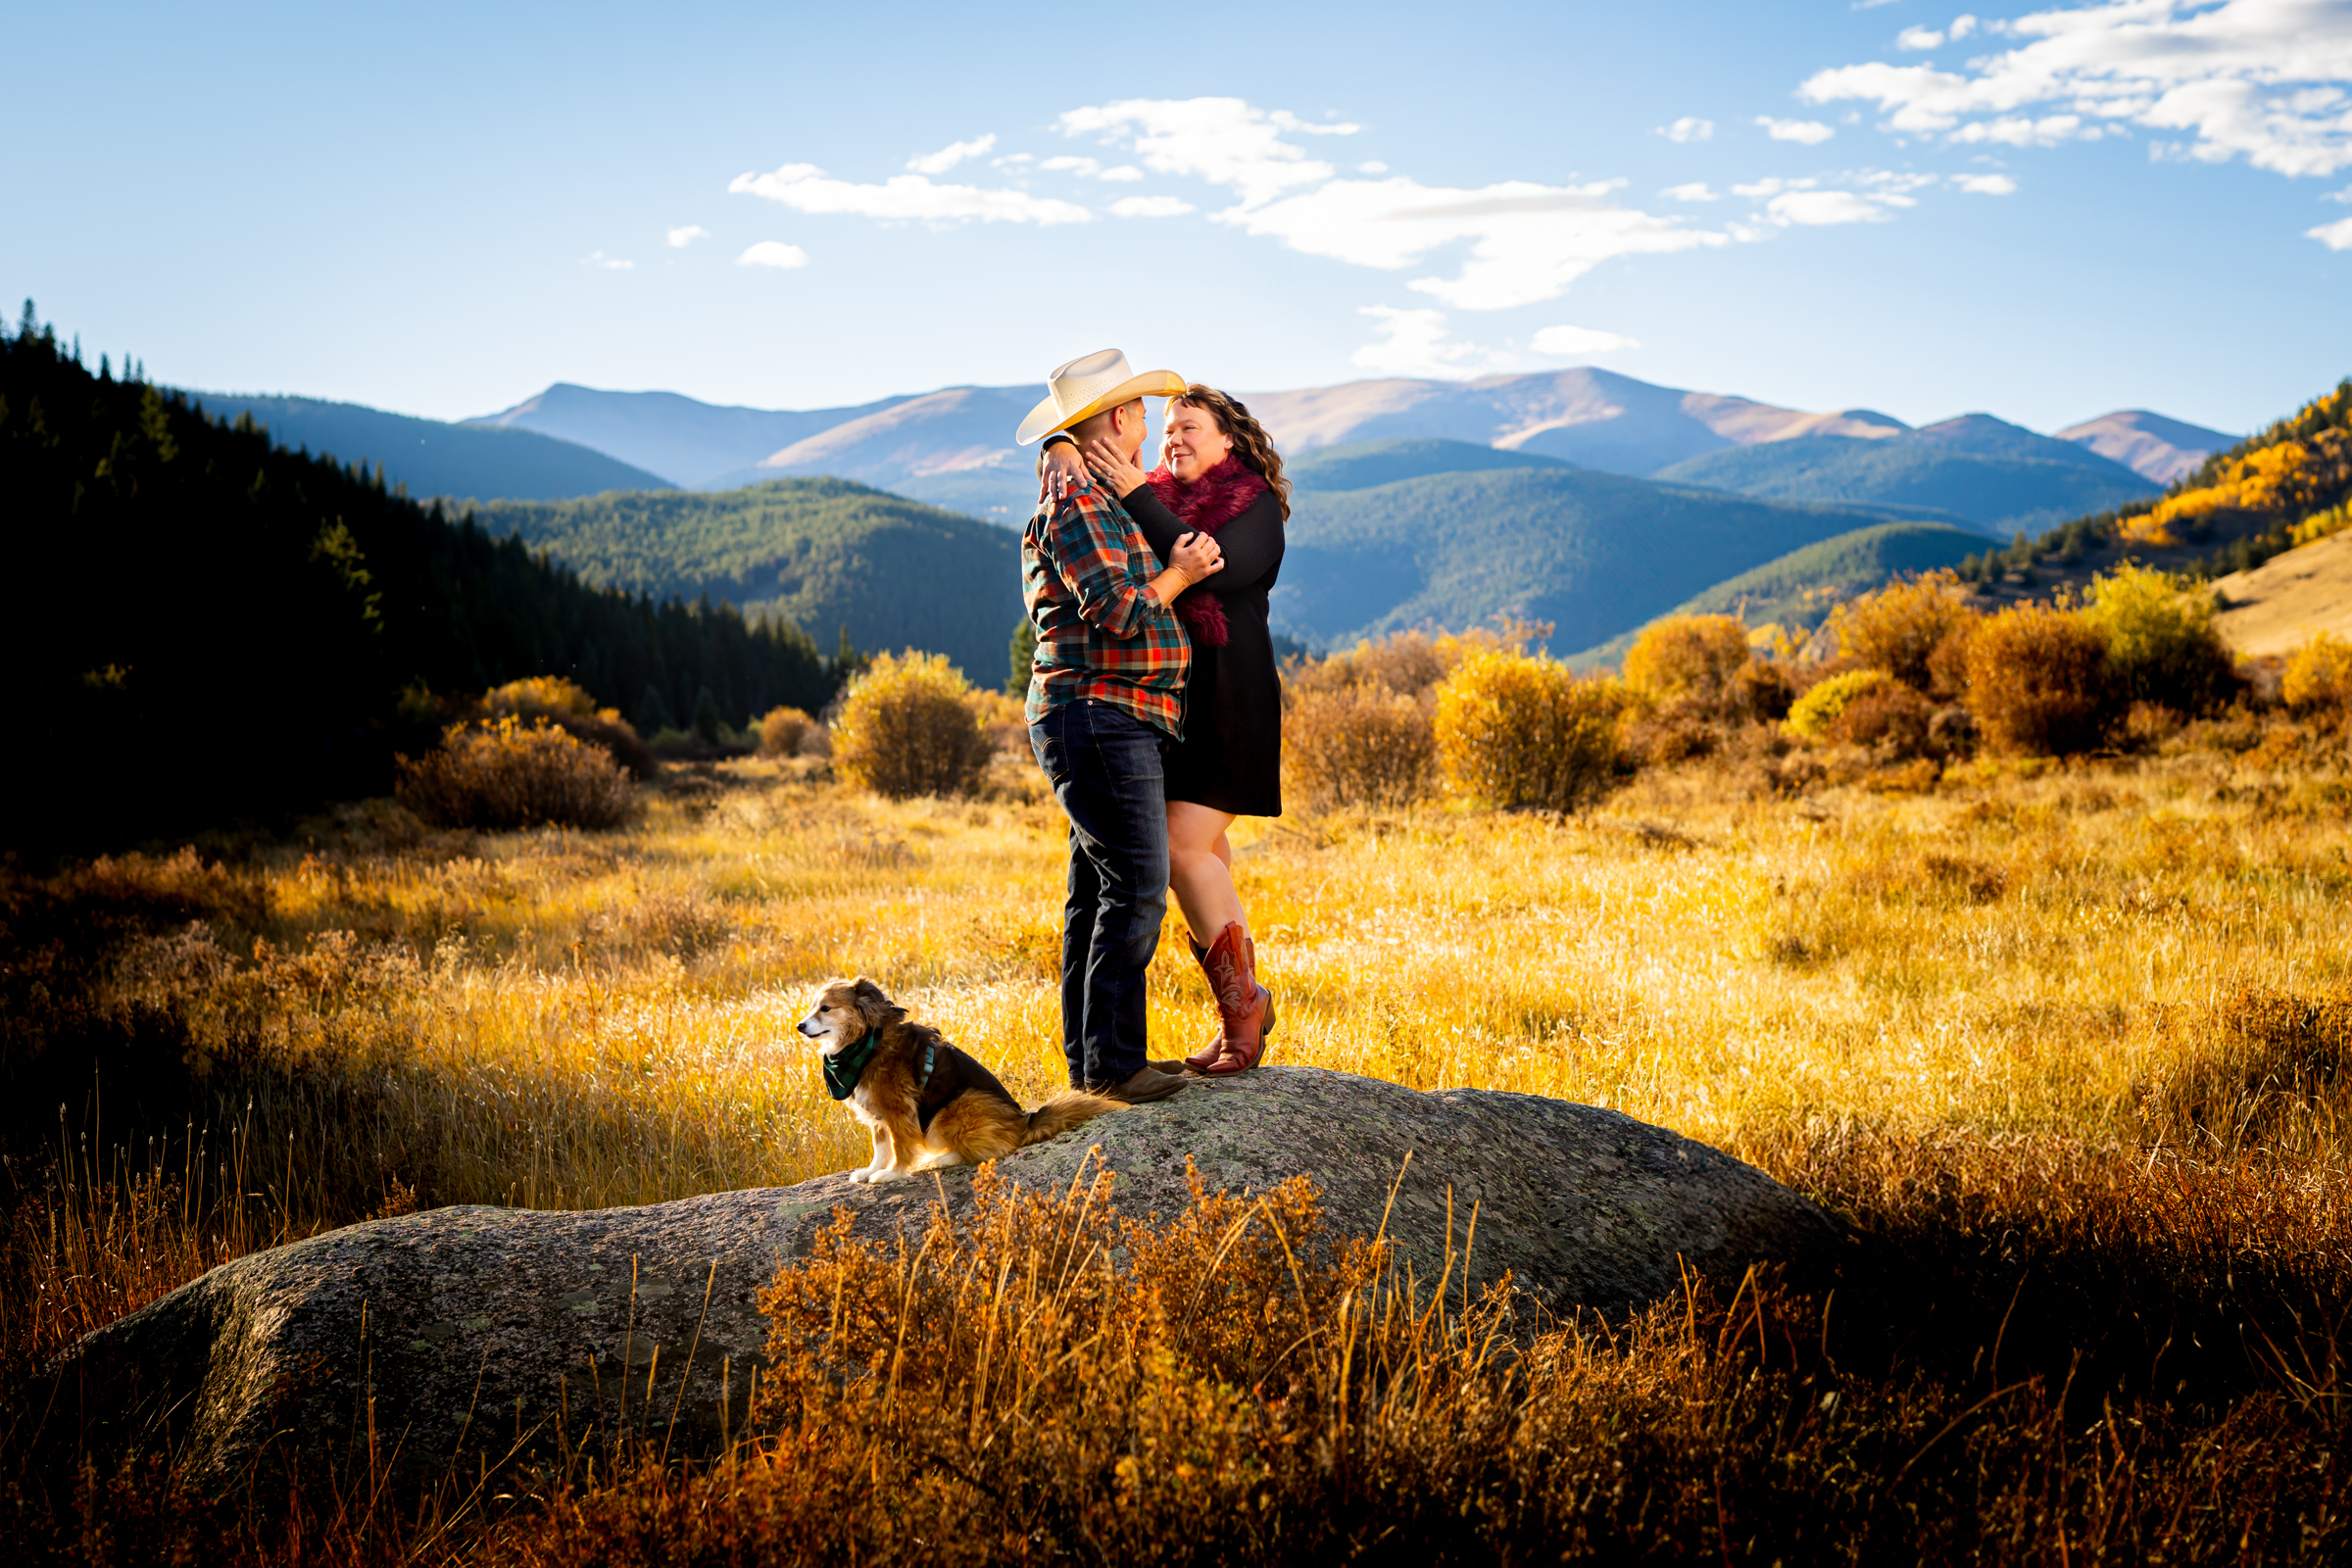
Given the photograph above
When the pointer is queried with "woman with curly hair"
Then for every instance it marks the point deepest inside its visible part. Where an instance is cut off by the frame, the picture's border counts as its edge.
(1219, 474)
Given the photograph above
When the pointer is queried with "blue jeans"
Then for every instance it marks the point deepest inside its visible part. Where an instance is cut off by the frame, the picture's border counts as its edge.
(1105, 766)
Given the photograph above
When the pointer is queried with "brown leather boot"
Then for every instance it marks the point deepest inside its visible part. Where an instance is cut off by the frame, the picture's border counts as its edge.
(1214, 1046)
(1247, 1007)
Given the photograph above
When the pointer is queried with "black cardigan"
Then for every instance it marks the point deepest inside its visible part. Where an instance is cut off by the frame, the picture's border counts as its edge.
(1231, 756)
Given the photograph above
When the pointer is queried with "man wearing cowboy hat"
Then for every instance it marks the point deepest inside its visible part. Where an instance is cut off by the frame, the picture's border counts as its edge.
(1106, 697)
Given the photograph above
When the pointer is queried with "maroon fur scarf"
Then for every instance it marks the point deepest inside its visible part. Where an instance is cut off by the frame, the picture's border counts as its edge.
(1208, 504)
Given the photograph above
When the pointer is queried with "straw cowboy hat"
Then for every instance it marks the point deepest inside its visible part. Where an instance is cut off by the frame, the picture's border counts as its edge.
(1085, 387)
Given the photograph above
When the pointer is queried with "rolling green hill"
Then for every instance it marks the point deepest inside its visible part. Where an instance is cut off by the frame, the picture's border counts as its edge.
(1595, 554)
(428, 457)
(1797, 590)
(823, 554)
(2001, 480)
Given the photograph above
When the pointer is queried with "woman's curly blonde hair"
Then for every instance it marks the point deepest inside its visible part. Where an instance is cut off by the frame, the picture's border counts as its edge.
(1251, 443)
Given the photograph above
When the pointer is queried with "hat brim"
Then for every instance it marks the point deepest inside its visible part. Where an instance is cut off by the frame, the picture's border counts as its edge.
(1047, 417)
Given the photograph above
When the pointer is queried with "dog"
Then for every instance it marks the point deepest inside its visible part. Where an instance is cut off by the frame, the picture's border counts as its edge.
(929, 1106)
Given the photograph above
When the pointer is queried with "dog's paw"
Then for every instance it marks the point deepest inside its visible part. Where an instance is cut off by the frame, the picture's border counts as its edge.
(861, 1175)
(883, 1178)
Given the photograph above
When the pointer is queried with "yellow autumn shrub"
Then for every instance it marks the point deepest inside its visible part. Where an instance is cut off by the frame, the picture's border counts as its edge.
(1514, 730)
(2319, 675)
(910, 725)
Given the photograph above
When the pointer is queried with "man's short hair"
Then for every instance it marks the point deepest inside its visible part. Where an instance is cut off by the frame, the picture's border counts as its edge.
(1095, 424)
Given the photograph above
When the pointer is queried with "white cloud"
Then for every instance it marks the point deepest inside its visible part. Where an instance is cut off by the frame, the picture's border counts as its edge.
(1820, 208)
(948, 157)
(1222, 140)
(773, 253)
(1687, 128)
(1376, 166)
(1962, 26)
(1811, 132)
(1151, 207)
(1695, 191)
(1528, 242)
(1919, 39)
(1580, 340)
(2263, 79)
(610, 263)
(680, 238)
(2337, 236)
(903, 198)
(1417, 343)
(1985, 184)
(1090, 169)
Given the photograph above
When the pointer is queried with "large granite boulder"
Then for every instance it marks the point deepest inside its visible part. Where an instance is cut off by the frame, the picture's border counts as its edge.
(469, 1335)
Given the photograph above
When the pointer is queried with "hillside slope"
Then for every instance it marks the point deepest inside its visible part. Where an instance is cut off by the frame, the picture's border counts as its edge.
(429, 456)
(203, 628)
(1997, 476)
(1595, 554)
(823, 553)
(2281, 604)
(1799, 590)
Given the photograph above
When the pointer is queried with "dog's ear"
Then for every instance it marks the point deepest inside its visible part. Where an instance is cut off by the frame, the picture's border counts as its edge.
(872, 1003)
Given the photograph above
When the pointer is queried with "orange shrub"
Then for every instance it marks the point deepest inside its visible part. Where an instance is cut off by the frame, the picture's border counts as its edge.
(2319, 675)
(512, 775)
(1898, 627)
(2040, 682)
(782, 730)
(909, 725)
(1518, 731)
(1360, 745)
(1688, 657)
(570, 707)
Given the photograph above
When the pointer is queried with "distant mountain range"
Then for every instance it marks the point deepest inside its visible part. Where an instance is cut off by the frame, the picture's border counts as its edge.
(430, 458)
(953, 449)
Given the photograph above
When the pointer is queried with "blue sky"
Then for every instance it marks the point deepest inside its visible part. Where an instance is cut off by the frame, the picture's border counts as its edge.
(2043, 213)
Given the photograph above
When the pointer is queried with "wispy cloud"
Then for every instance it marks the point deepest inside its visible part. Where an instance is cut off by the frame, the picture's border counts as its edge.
(2262, 79)
(1417, 343)
(903, 198)
(773, 253)
(1811, 132)
(1687, 128)
(1695, 191)
(948, 157)
(1225, 141)
(1090, 169)
(1984, 185)
(1527, 241)
(610, 263)
(2337, 236)
(680, 238)
(1567, 340)
(1151, 207)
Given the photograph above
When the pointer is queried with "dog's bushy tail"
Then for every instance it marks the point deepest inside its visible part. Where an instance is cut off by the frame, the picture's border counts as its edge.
(1072, 1108)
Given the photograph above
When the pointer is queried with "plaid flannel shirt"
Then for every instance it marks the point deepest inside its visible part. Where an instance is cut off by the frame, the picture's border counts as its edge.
(1102, 632)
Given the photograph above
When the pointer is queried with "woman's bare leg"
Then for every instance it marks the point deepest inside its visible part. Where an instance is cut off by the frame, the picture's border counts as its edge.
(1200, 869)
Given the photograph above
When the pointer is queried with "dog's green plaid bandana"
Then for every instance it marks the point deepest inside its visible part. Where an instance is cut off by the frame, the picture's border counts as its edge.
(844, 1068)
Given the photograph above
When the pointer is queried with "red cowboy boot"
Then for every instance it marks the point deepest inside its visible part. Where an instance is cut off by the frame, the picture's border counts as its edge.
(1199, 1060)
(1247, 1008)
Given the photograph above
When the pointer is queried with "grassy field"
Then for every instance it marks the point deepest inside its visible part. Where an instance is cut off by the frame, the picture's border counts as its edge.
(2066, 1042)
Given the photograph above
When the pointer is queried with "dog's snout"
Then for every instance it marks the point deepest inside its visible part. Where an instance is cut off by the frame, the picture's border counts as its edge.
(811, 1027)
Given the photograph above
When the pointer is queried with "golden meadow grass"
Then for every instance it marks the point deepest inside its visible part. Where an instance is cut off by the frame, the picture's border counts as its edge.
(588, 1020)
(2023, 1022)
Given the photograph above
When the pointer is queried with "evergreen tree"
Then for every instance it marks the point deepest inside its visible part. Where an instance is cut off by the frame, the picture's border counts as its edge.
(1024, 656)
(707, 721)
(652, 714)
